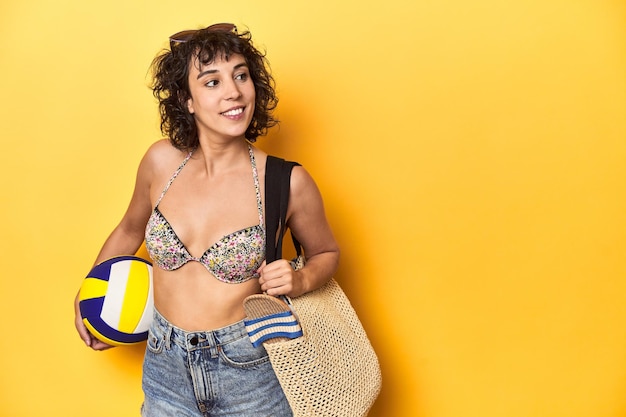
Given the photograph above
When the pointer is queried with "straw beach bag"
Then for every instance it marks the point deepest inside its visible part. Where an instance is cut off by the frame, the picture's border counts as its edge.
(329, 368)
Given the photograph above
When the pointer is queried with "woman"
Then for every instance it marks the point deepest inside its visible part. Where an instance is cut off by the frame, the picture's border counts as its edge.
(203, 188)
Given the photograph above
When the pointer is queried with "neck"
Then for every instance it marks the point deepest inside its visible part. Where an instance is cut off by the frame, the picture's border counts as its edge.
(222, 157)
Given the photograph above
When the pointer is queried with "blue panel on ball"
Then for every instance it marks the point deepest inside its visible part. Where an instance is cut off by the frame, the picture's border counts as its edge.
(91, 308)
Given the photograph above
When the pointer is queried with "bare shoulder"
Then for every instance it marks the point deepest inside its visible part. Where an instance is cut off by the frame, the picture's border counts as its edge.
(302, 182)
(161, 155)
(162, 150)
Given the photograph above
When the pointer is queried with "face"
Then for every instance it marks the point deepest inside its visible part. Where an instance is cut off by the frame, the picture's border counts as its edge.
(222, 98)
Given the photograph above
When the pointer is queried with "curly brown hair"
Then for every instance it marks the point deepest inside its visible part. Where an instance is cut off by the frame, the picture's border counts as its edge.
(170, 86)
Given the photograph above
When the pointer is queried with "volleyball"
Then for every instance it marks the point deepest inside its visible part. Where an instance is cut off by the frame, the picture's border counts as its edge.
(116, 300)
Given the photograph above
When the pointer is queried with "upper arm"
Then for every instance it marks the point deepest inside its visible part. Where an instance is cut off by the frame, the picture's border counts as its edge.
(133, 223)
(140, 206)
(306, 216)
(128, 235)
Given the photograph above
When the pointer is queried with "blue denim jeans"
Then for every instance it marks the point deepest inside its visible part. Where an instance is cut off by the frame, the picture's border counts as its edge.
(214, 373)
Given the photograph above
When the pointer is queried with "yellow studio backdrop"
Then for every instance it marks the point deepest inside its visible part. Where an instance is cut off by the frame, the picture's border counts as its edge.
(472, 156)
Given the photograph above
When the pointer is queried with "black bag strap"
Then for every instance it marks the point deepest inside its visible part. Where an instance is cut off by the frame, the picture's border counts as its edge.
(277, 186)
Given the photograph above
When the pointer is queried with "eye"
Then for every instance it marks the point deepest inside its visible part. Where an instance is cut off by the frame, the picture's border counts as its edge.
(242, 77)
(211, 83)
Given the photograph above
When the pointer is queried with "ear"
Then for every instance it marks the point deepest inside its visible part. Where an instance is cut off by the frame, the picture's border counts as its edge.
(190, 106)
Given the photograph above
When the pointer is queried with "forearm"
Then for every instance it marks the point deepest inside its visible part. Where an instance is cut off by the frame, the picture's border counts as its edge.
(317, 271)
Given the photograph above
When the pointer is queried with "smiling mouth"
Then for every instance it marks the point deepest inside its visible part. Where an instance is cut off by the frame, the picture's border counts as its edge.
(233, 112)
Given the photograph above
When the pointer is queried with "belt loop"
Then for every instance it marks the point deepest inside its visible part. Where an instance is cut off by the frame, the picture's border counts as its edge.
(168, 337)
(213, 347)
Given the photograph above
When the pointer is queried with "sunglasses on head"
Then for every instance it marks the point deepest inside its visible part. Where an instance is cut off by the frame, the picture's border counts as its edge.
(186, 35)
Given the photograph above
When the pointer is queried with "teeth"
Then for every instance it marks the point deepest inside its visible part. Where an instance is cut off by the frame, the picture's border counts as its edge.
(233, 112)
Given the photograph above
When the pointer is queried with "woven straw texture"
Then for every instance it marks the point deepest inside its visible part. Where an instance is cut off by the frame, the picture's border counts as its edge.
(332, 370)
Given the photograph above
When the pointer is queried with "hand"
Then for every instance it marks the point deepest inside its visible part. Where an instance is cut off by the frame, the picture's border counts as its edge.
(279, 278)
(84, 334)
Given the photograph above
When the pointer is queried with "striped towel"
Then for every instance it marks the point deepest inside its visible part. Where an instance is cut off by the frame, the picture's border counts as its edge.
(269, 318)
(279, 325)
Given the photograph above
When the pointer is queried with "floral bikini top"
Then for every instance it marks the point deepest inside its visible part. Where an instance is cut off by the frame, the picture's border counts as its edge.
(233, 259)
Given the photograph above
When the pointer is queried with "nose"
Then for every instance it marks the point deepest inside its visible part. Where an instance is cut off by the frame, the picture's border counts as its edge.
(232, 91)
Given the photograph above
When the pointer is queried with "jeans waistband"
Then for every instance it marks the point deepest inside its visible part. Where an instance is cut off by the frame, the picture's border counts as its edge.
(199, 339)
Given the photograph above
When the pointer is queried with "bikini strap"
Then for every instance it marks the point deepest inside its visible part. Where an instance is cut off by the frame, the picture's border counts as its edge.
(167, 186)
(257, 187)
